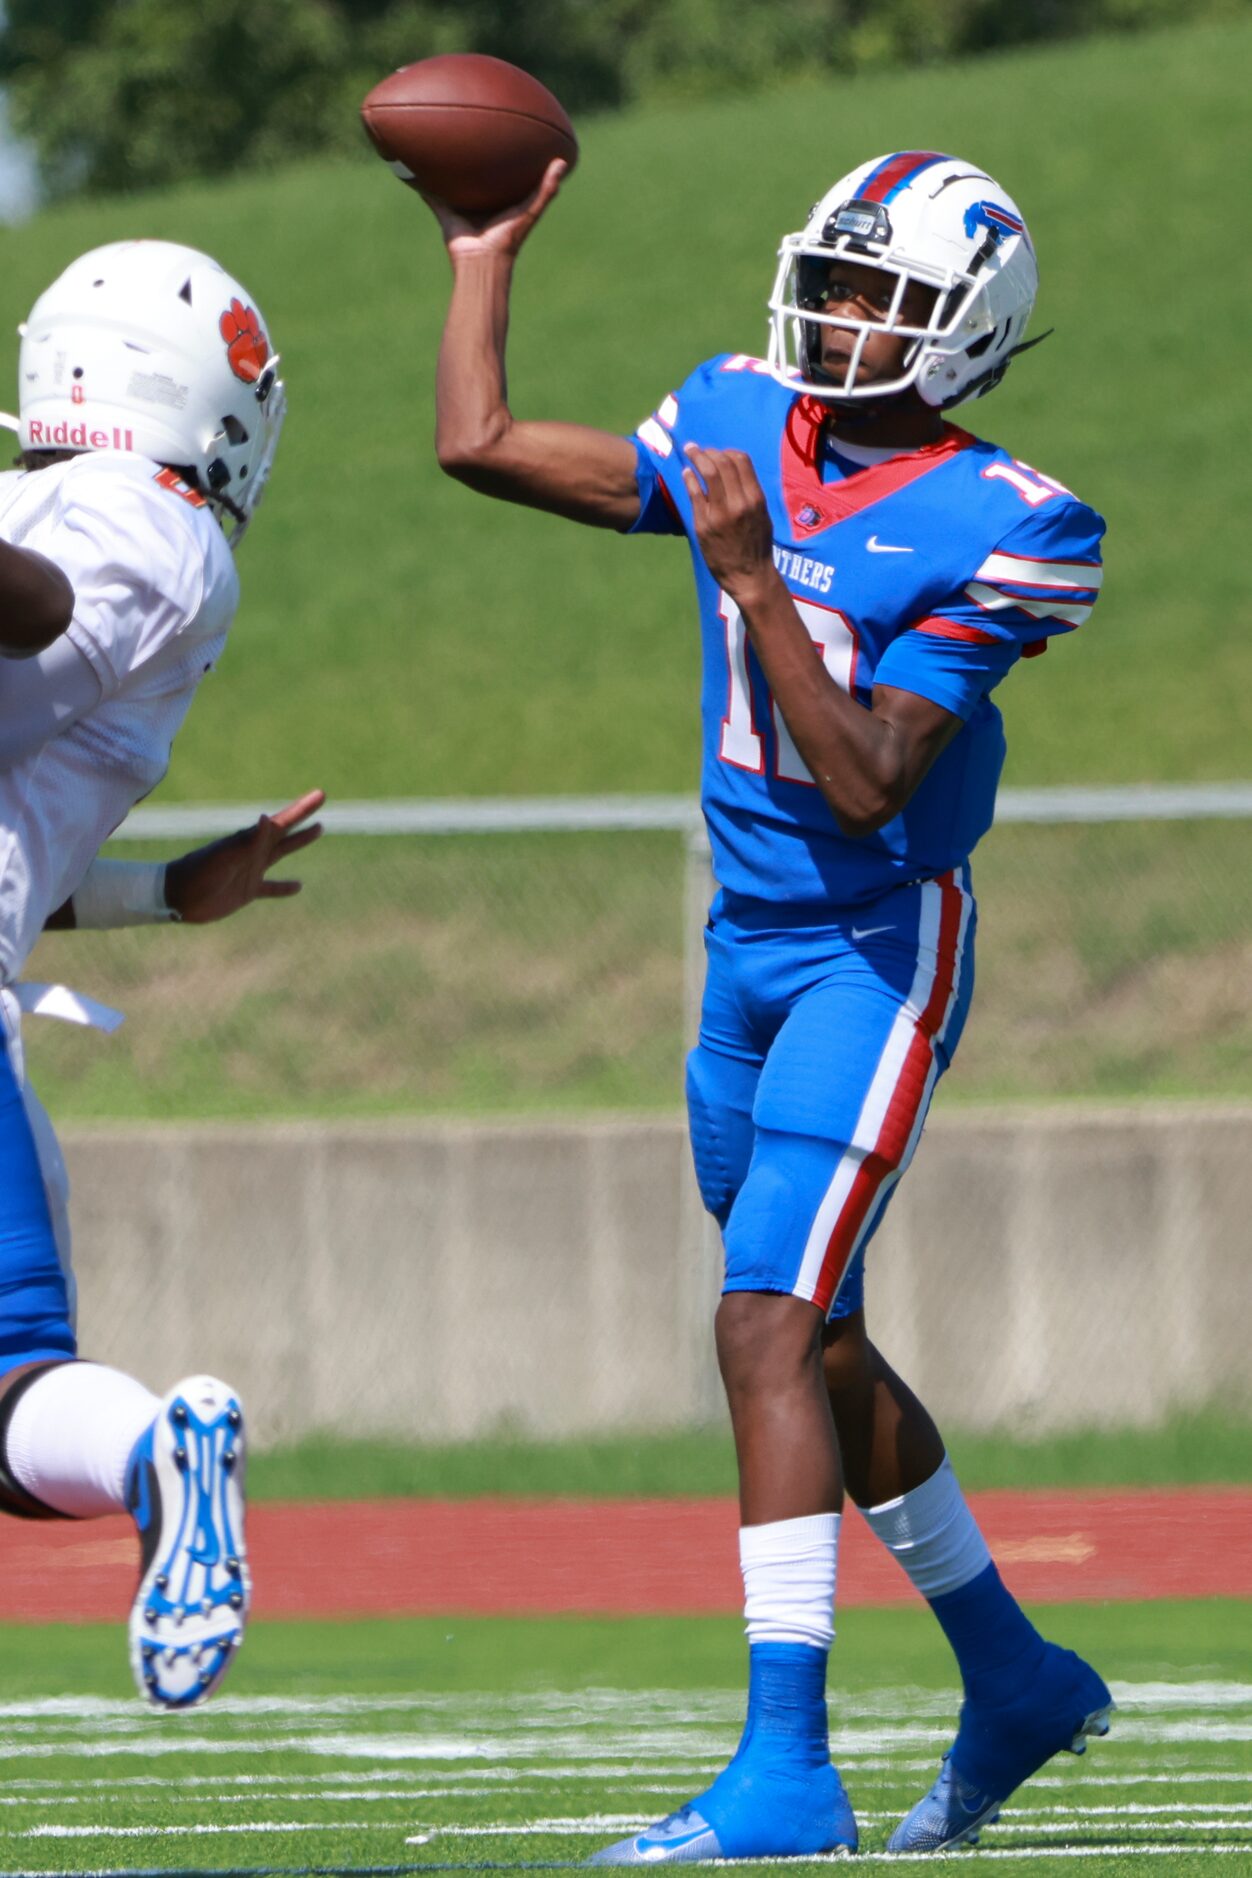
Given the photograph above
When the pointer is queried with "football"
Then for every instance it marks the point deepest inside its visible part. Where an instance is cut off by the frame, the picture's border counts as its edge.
(472, 130)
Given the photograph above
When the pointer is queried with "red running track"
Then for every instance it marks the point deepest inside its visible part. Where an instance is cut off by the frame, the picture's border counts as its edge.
(628, 1557)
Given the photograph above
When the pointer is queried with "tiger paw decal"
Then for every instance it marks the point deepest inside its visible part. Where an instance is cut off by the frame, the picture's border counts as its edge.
(247, 348)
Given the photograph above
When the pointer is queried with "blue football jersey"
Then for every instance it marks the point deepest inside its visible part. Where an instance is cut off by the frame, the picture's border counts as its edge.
(933, 571)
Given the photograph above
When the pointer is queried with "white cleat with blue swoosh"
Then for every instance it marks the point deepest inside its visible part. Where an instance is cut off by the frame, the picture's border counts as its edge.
(184, 1491)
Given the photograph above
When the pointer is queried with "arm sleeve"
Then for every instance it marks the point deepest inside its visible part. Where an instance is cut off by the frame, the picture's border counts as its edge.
(41, 697)
(136, 568)
(1042, 578)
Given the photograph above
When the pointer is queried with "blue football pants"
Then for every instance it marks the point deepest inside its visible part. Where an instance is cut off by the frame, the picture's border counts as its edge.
(821, 1041)
(34, 1299)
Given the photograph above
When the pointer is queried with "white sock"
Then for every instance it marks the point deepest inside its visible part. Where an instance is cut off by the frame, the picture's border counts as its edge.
(933, 1534)
(789, 1580)
(71, 1434)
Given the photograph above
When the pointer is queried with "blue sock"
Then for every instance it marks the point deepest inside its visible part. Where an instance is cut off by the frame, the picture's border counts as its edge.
(993, 1639)
(780, 1796)
(787, 1704)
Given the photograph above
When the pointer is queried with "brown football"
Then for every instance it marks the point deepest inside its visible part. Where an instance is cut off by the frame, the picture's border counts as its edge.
(472, 130)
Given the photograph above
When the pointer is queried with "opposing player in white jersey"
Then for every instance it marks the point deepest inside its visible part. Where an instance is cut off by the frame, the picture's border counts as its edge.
(150, 407)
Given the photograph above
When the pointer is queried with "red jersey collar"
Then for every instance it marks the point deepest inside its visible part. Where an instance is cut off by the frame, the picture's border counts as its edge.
(813, 505)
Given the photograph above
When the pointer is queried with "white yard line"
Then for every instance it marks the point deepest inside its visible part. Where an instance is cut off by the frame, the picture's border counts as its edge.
(650, 1748)
(677, 1707)
(197, 1832)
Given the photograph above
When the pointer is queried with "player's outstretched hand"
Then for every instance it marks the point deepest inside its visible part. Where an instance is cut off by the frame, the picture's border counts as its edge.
(504, 232)
(732, 519)
(215, 881)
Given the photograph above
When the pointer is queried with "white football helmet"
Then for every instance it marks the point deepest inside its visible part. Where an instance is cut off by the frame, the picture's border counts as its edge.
(921, 217)
(152, 347)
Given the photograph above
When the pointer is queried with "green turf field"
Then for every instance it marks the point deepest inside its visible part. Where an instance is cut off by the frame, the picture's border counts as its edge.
(1211, 1447)
(400, 636)
(492, 1744)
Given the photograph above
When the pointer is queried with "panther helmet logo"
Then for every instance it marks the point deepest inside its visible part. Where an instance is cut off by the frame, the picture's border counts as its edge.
(247, 348)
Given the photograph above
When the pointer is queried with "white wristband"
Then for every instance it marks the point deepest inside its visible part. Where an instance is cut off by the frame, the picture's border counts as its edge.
(121, 893)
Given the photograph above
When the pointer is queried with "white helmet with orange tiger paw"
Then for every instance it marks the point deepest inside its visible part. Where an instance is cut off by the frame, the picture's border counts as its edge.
(151, 347)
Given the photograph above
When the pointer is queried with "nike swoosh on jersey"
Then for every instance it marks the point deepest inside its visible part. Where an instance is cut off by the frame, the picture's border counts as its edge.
(876, 546)
(867, 932)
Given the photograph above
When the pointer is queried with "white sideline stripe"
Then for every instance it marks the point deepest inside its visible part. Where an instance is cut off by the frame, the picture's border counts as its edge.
(588, 1826)
(655, 1800)
(1157, 1695)
(673, 1705)
(302, 1788)
(675, 814)
(851, 1744)
(274, 1794)
(986, 1852)
(202, 1831)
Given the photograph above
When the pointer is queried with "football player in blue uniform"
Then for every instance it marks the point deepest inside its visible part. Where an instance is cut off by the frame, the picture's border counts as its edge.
(867, 573)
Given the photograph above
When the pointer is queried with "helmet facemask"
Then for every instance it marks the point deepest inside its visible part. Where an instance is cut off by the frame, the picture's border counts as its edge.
(940, 225)
(860, 232)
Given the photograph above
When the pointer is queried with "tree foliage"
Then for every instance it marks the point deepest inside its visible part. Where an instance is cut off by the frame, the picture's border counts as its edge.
(126, 94)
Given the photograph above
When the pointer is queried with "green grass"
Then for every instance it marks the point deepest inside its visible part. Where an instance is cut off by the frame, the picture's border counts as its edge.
(500, 1744)
(497, 974)
(400, 636)
(1207, 1448)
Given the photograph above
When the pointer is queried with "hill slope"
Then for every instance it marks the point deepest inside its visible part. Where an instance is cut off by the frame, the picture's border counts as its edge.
(402, 636)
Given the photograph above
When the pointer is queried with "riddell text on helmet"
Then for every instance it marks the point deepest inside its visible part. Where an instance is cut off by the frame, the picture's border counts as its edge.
(64, 436)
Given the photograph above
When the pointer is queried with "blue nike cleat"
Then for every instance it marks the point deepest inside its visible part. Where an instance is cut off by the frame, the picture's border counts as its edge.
(184, 1491)
(763, 1812)
(681, 1839)
(1000, 1745)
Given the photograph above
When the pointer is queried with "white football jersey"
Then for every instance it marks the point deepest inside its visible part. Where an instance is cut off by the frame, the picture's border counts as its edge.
(155, 592)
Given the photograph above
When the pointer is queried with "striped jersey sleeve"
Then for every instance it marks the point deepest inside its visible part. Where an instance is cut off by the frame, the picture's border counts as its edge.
(1039, 580)
(657, 462)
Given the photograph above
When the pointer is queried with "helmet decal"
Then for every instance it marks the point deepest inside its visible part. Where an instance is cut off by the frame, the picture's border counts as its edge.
(993, 216)
(247, 348)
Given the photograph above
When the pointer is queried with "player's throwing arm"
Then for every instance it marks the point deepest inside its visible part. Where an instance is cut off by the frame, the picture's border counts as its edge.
(488, 147)
(568, 469)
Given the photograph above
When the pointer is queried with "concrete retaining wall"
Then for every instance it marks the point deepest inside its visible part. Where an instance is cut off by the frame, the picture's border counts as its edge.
(1037, 1268)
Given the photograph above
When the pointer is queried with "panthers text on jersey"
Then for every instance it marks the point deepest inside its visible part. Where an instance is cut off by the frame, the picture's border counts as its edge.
(932, 571)
(155, 592)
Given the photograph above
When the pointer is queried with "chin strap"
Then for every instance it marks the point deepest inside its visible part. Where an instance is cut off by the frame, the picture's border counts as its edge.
(979, 387)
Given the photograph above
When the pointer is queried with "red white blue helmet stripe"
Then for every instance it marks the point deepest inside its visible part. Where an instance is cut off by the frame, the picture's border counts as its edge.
(895, 173)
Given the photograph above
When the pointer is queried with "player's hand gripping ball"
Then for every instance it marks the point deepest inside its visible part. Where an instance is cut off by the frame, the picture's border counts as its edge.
(473, 131)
